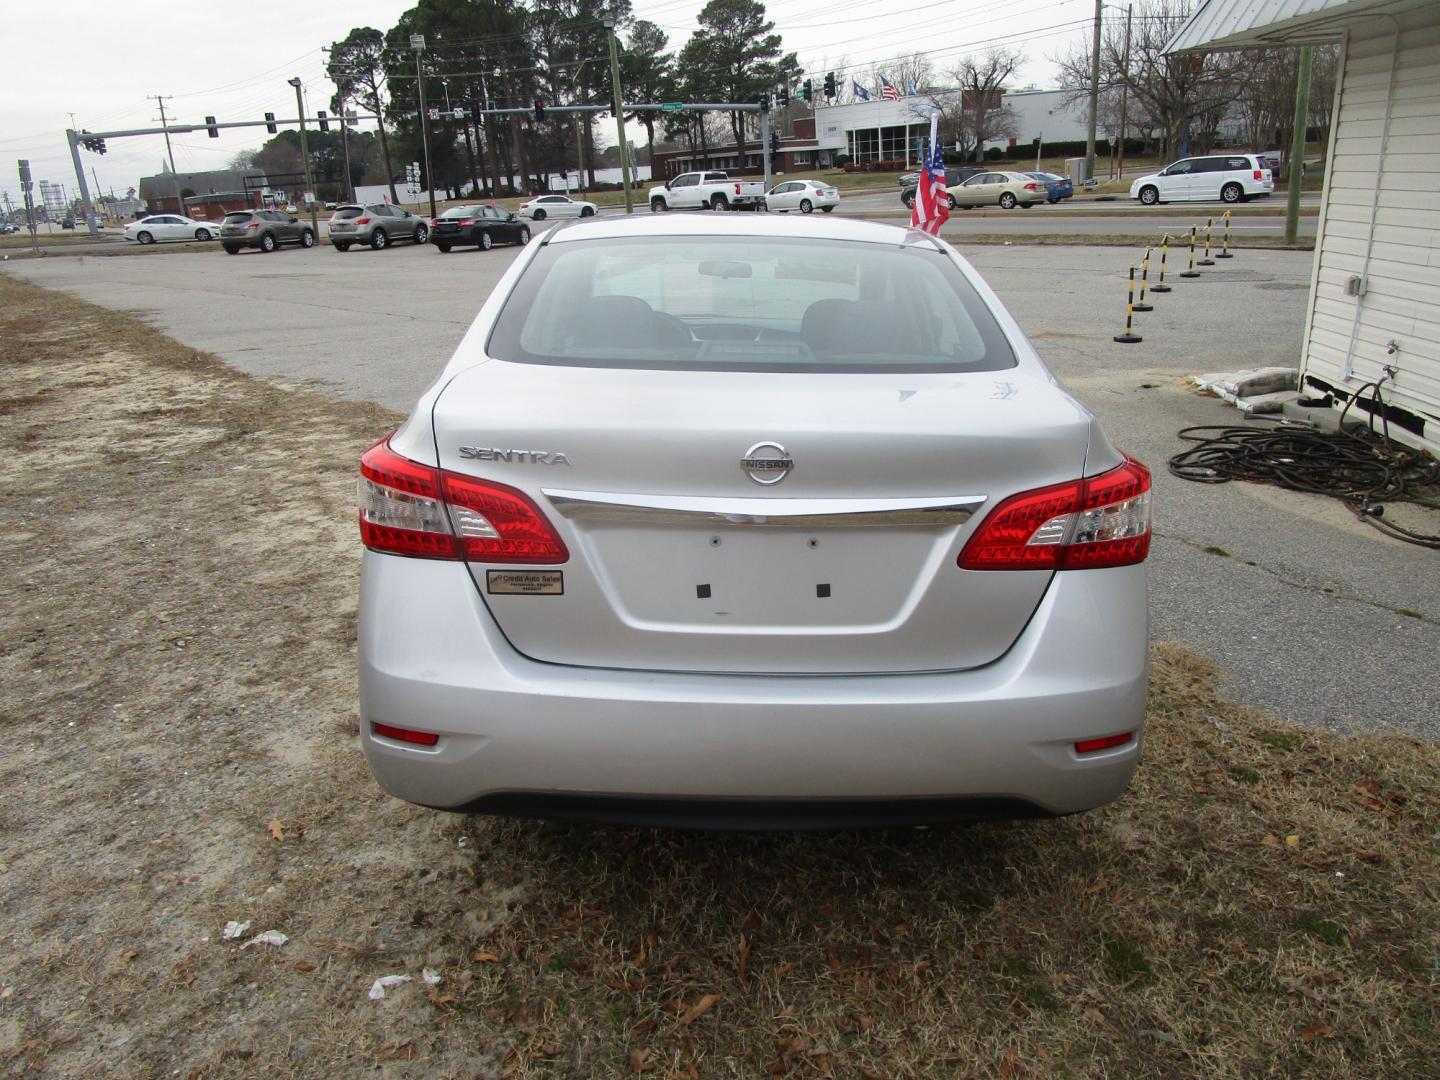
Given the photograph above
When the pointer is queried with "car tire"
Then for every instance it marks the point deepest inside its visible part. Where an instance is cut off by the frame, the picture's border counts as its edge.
(486, 241)
(587, 211)
(909, 200)
(826, 209)
(307, 238)
(267, 242)
(231, 250)
(1232, 193)
(422, 234)
(719, 202)
(657, 206)
(538, 215)
(1026, 205)
(951, 200)
(379, 240)
(145, 237)
(203, 234)
(444, 249)
(806, 206)
(1007, 200)
(1149, 196)
(524, 235)
(343, 246)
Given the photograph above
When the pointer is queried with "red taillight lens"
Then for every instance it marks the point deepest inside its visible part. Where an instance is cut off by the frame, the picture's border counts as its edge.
(253, 225)
(1106, 742)
(1257, 174)
(737, 189)
(362, 221)
(466, 221)
(407, 508)
(1030, 187)
(400, 734)
(1079, 525)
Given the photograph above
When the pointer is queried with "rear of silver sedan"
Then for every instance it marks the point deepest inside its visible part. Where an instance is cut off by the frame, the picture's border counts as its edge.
(751, 527)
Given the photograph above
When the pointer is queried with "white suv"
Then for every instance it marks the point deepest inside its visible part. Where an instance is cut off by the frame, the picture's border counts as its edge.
(1230, 178)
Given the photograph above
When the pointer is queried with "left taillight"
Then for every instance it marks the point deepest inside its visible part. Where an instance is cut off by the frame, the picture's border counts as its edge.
(1078, 525)
(407, 508)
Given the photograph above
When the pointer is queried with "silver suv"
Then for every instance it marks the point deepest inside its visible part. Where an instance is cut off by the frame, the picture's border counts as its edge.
(378, 225)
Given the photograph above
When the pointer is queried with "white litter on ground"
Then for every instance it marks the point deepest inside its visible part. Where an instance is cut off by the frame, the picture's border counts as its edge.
(385, 982)
(1261, 390)
(431, 976)
(233, 930)
(267, 937)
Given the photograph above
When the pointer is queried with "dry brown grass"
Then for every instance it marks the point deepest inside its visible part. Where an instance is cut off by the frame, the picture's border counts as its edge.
(179, 566)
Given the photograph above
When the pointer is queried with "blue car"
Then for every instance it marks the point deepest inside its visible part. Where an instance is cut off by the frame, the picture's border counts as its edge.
(1056, 187)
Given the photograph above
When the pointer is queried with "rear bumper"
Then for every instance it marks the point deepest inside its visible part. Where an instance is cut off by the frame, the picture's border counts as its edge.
(519, 736)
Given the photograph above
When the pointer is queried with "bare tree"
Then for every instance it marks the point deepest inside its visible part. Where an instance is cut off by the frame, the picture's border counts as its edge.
(911, 69)
(982, 113)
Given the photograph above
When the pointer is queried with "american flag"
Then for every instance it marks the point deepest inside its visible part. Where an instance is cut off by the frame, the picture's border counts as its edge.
(932, 201)
(887, 90)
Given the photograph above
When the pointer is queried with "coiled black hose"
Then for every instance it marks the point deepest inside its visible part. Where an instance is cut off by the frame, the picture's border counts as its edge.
(1362, 469)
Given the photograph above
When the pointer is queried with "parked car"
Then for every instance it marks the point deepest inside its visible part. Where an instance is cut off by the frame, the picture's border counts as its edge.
(557, 206)
(6, 228)
(378, 225)
(477, 226)
(619, 567)
(263, 229)
(802, 195)
(1056, 187)
(707, 191)
(956, 174)
(1231, 178)
(158, 227)
(1005, 189)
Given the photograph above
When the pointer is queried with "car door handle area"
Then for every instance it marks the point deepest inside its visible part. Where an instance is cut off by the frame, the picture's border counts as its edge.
(778, 513)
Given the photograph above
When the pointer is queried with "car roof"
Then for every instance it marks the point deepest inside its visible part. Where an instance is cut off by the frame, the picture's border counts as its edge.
(757, 225)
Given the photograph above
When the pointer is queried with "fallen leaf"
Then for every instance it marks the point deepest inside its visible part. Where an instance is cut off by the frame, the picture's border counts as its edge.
(396, 1051)
(832, 959)
(742, 971)
(1271, 841)
(700, 1008)
(277, 830)
(1095, 1015)
(304, 965)
(440, 1002)
(485, 958)
(640, 1060)
(1317, 1031)
(1293, 840)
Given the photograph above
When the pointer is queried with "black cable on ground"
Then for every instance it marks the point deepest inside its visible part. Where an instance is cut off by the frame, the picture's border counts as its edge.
(1365, 470)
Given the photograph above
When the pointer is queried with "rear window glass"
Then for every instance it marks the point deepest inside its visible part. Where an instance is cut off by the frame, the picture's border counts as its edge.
(463, 212)
(345, 213)
(235, 219)
(748, 304)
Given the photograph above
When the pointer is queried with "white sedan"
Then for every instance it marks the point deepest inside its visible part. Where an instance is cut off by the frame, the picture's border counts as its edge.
(158, 227)
(556, 206)
(802, 195)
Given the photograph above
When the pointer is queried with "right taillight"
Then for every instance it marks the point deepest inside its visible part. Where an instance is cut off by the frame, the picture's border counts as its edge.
(1257, 174)
(1078, 525)
(407, 508)
(362, 221)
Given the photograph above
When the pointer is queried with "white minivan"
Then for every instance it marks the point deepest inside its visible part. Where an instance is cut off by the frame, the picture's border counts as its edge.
(1230, 178)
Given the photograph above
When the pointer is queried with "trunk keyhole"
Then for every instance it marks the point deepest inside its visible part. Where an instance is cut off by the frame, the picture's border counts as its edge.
(702, 592)
(822, 591)
(812, 542)
(714, 541)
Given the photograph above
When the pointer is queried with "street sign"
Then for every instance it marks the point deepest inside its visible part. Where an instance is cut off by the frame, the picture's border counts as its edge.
(457, 114)
(673, 106)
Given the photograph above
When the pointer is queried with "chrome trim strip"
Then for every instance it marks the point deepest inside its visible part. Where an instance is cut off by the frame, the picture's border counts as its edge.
(781, 513)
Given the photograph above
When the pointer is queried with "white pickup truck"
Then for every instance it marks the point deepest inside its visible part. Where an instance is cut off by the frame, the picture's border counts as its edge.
(707, 191)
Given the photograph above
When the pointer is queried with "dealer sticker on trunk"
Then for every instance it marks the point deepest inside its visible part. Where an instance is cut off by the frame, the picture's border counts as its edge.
(525, 582)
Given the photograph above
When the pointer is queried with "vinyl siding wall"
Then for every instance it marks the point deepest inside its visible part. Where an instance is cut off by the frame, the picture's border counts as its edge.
(1402, 302)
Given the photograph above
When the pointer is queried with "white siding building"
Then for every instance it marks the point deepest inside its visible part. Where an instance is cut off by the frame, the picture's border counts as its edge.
(1375, 287)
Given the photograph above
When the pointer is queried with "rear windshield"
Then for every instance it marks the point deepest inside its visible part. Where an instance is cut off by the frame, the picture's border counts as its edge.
(463, 212)
(235, 219)
(748, 304)
(345, 213)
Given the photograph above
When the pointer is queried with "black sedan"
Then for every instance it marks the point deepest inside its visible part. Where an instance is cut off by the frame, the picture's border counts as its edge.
(477, 226)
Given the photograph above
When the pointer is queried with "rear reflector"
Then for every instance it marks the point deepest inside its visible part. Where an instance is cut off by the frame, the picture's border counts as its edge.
(1107, 742)
(400, 734)
(407, 508)
(1082, 524)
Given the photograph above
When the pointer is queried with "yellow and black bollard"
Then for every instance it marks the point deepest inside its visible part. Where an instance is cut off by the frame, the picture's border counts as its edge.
(1129, 337)
(1225, 243)
(1141, 305)
(1192, 272)
(1160, 285)
(1207, 260)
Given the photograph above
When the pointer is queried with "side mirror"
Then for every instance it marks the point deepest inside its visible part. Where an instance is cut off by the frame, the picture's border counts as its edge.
(668, 183)
(294, 220)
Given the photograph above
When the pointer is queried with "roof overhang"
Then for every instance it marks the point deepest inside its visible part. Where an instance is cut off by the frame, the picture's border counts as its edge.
(1254, 24)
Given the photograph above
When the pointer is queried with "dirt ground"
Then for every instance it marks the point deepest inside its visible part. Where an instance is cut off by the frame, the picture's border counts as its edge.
(179, 569)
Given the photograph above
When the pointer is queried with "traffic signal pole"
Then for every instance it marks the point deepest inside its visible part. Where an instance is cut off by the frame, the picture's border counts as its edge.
(74, 141)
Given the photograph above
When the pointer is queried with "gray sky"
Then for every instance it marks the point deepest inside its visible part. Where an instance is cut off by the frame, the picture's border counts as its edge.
(97, 59)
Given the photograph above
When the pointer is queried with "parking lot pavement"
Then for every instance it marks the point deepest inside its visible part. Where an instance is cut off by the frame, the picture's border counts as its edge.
(1311, 614)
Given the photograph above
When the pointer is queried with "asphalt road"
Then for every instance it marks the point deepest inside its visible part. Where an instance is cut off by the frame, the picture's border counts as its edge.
(1312, 615)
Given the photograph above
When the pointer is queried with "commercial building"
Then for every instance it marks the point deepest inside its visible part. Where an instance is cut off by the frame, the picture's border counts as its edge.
(167, 192)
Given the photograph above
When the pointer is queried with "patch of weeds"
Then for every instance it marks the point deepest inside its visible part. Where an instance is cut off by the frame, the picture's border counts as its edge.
(1211, 549)
(1029, 986)
(1123, 958)
(966, 899)
(1244, 774)
(1280, 740)
(1408, 613)
(1323, 930)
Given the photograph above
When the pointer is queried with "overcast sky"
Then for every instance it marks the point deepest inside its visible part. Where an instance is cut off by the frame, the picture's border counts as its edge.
(101, 60)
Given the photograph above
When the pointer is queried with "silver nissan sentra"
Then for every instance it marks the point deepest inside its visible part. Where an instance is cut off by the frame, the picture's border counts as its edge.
(761, 523)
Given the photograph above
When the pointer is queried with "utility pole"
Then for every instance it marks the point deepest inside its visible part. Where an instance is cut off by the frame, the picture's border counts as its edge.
(609, 21)
(1297, 146)
(1125, 87)
(1094, 94)
(345, 151)
(417, 43)
(165, 123)
(305, 154)
(74, 140)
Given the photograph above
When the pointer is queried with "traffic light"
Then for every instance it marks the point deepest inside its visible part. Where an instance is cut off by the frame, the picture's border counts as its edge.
(477, 111)
(270, 123)
(210, 127)
(829, 84)
(774, 142)
(539, 110)
(809, 92)
(764, 102)
(100, 146)
(323, 117)
(782, 96)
